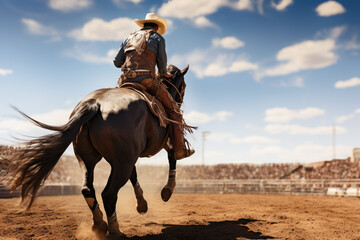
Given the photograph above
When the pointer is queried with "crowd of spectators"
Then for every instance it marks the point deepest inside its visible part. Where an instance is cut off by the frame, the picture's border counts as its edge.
(335, 169)
(68, 170)
(4, 151)
(235, 171)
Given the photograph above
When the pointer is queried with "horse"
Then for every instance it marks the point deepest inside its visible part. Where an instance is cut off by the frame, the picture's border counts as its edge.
(112, 123)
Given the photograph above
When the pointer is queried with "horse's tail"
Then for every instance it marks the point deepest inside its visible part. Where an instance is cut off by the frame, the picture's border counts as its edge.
(31, 164)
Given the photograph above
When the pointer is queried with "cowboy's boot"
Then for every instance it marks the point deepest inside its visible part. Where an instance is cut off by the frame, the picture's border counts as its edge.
(178, 142)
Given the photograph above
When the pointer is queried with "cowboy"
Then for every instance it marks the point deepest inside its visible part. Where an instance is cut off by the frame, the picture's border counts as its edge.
(137, 58)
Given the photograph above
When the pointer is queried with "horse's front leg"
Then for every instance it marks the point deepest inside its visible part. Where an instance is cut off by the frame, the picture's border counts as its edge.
(142, 206)
(169, 187)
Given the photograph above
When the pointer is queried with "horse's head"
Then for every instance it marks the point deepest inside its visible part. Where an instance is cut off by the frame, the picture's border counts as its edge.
(176, 85)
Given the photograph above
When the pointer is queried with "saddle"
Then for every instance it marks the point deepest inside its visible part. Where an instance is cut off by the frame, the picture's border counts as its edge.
(153, 103)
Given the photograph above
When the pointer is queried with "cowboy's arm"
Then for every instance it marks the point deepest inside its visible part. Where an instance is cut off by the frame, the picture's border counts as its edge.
(161, 58)
(120, 57)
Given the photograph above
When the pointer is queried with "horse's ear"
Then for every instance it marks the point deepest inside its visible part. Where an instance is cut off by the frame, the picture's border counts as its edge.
(184, 71)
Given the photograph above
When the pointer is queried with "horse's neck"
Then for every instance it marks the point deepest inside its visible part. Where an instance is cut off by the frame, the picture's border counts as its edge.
(172, 86)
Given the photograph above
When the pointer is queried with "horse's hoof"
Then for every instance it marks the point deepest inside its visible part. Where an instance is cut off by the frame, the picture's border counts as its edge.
(142, 208)
(166, 194)
(100, 229)
(115, 235)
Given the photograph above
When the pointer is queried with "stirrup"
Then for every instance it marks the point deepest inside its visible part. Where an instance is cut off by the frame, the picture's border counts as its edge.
(183, 154)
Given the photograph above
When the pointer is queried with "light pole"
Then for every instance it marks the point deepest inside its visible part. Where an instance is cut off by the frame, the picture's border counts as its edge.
(334, 142)
(204, 135)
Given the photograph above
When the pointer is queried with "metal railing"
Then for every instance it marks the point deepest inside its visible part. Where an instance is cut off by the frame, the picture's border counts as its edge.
(339, 187)
(298, 186)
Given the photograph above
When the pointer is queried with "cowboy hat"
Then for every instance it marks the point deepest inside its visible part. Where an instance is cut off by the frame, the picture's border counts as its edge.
(153, 18)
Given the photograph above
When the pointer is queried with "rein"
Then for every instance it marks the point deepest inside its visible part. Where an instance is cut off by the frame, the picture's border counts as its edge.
(175, 88)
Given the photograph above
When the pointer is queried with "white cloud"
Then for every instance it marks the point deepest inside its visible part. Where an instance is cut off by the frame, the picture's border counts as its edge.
(55, 117)
(17, 125)
(69, 5)
(231, 138)
(195, 59)
(254, 140)
(222, 115)
(316, 152)
(228, 42)
(243, 5)
(260, 6)
(305, 153)
(215, 70)
(352, 82)
(203, 22)
(112, 53)
(296, 82)
(294, 129)
(183, 9)
(84, 55)
(36, 28)
(347, 117)
(199, 9)
(281, 5)
(120, 3)
(240, 66)
(330, 8)
(270, 150)
(219, 68)
(195, 117)
(203, 65)
(99, 30)
(302, 56)
(219, 136)
(336, 32)
(352, 44)
(281, 115)
(214, 154)
(4, 72)
(331, 33)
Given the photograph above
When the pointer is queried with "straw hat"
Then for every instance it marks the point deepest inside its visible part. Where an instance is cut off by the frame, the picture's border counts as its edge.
(153, 18)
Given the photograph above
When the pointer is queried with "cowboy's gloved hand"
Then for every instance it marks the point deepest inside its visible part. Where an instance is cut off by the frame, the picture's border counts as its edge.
(168, 75)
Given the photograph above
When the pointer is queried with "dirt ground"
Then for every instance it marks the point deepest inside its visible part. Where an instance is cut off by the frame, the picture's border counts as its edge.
(190, 216)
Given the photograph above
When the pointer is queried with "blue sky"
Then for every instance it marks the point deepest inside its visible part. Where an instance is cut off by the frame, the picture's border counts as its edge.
(268, 78)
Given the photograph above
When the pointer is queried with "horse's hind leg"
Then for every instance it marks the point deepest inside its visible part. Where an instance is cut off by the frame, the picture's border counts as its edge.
(142, 206)
(120, 174)
(169, 187)
(88, 157)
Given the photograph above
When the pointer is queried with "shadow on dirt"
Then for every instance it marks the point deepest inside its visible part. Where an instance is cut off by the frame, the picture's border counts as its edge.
(229, 230)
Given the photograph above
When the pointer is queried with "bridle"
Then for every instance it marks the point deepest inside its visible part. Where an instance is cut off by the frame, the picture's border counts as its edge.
(177, 90)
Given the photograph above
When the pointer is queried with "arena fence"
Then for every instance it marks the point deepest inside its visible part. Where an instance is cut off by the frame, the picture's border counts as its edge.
(345, 187)
(47, 190)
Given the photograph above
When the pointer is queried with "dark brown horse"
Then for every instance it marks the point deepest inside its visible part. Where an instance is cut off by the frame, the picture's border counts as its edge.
(115, 124)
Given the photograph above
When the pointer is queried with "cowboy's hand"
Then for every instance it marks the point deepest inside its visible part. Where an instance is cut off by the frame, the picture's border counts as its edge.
(168, 75)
